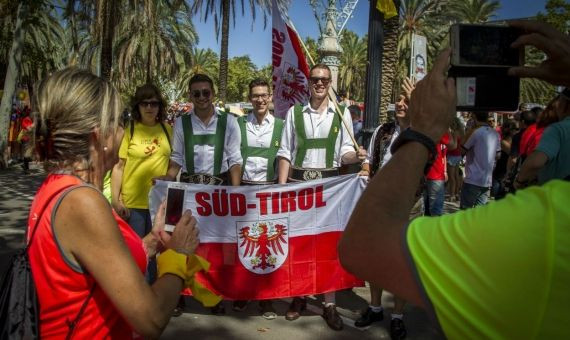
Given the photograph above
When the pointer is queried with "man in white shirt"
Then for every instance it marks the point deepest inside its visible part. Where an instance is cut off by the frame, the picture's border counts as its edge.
(260, 137)
(206, 147)
(482, 148)
(260, 141)
(206, 142)
(314, 145)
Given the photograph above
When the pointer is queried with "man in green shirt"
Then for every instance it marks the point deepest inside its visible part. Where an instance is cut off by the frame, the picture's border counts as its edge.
(499, 271)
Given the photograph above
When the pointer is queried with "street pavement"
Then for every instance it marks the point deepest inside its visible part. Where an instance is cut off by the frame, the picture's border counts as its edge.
(16, 194)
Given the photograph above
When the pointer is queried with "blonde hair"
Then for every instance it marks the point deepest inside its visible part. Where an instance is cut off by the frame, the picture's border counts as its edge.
(71, 103)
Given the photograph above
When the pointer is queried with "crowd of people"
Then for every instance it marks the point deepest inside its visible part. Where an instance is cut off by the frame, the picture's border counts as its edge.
(122, 273)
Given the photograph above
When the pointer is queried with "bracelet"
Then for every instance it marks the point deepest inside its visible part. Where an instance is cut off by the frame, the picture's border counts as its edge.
(409, 135)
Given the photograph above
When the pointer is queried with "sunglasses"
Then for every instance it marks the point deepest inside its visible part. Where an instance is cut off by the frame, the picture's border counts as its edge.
(315, 80)
(204, 93)
(263, 96)
(152, 104)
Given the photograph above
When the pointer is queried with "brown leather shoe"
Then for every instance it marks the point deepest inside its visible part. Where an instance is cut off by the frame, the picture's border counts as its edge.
(218, 309)
(332, 318)
(295, 308)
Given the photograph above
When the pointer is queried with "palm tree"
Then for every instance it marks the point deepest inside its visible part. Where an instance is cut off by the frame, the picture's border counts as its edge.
(34, 36)
(389, 62)
(221, 10)
(352, 70)
(474, 11)
(156, 36)
(203, 61)
(423, 17)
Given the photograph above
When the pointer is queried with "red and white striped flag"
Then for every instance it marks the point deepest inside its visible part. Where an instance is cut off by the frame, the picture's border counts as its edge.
(290, 69)
(274, 241)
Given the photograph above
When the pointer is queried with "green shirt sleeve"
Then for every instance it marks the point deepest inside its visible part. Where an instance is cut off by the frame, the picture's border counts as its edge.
(489, 272)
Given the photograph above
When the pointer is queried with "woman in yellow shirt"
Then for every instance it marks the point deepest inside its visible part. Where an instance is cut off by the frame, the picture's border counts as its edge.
(144, 154)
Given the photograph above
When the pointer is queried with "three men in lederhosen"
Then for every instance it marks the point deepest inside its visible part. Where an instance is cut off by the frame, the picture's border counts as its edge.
(206, 144)
(260, 141)
(314, 145)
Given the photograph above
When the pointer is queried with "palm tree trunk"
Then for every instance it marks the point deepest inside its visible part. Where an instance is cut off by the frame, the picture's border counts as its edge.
(224, 50)
(389, 63)
(108, 31)
(14, 60)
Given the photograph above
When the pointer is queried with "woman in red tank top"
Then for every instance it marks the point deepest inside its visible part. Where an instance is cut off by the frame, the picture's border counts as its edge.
(88, 259)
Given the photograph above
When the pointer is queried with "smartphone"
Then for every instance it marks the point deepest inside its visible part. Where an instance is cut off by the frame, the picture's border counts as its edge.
(485, 89)
(174, 206)
(485, 45)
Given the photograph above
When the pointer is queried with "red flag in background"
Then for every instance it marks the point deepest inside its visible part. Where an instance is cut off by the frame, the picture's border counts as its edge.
(290, 69)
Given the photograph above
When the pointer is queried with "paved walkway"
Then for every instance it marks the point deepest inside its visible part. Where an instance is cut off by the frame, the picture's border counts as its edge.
(16, 193)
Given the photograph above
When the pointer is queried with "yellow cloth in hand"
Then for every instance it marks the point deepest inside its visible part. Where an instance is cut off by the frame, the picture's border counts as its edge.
(185, 267)
(387, 7)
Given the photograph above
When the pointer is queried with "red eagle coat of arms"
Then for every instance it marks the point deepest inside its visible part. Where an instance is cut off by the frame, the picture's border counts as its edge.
(263, 246)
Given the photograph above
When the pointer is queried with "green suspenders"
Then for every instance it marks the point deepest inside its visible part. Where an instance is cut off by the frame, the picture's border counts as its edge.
(304, 143)
(268, 153)
(217, 140)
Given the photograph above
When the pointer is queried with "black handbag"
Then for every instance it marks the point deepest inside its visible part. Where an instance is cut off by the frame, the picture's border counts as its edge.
(19, 307)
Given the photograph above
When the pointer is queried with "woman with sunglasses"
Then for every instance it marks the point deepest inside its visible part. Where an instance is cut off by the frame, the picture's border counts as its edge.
(144, 154)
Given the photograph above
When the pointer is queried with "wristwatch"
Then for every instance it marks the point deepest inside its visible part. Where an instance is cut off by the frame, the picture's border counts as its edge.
(409, 135)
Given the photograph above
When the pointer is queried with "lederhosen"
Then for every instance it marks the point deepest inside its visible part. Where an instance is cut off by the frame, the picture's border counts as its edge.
(269, 153)
(382, 142)
(217, 140)
(300, 174)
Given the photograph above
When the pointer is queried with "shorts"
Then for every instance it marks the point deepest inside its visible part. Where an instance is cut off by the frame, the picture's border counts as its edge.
(454, 160)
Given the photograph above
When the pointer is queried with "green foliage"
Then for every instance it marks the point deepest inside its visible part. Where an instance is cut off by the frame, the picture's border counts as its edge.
(311, 45)
(352, 70)
(557, 14)
(241, 71)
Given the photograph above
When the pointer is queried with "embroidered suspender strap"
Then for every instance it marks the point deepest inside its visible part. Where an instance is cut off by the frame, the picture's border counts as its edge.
(217, 140)
(243, 147)
(304, 143)
(188, 143)
(268, 153)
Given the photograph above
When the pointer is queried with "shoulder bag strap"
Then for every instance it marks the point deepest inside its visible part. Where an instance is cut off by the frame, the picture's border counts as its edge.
(71, 325)
(42, 212)
(167, 135)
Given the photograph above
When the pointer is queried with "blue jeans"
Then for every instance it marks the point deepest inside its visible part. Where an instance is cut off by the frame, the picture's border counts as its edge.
(139, 220)
(473, 195)
(434, 195)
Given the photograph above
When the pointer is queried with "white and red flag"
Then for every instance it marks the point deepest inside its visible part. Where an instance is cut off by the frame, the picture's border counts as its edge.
(290, 69)
(275, 241)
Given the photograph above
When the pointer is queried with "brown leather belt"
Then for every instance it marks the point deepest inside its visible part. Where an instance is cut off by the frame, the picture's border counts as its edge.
(308, 174)
(207, 179)
(245, 182)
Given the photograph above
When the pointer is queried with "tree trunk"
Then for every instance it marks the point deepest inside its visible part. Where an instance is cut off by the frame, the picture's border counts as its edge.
(14, 60)
(389, 63)
(224, 50)
(108, 31)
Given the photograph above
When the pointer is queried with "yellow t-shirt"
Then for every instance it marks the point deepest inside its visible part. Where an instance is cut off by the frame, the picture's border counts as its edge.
(146, 154)
(500, 271)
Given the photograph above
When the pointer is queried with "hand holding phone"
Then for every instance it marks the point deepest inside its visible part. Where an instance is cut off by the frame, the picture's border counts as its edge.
(174, 204)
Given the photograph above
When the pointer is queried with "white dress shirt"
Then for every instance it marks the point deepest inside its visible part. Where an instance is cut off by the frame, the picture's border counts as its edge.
(258, 135)
(204, 154)
(317, 125)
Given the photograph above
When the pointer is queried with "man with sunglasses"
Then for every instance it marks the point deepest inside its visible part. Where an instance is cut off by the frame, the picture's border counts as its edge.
(260, 140)
(206, 144)
(314, 145)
